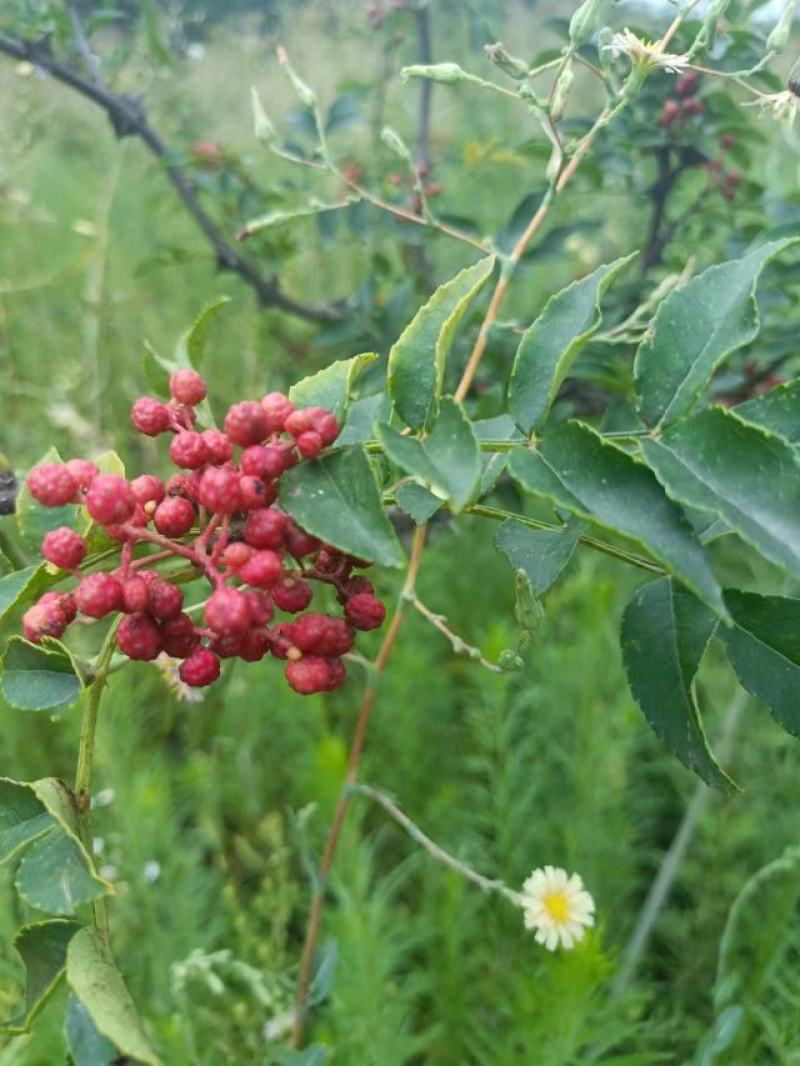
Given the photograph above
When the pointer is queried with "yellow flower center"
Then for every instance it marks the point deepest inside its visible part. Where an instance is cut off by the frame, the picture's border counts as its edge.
(557, 906)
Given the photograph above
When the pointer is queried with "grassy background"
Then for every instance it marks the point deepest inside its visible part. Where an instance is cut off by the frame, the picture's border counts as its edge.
(208, 809)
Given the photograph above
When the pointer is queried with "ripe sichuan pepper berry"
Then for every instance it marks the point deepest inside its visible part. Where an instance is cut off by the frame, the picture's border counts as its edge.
(98, 595)
(139, 637)
(218, 490)
(164, 600)
(135, 594)
(187, 386)
(189, 450)
(276, 408)
(200, 669)
(298, 542)
(220, 448)
(110, 499)
(84, 473)
(52, 484)
(44, 620)
(227, 611)
(150, 416)
(263, 569)
(246, 423)
(292, 594)
(310, 674)
(148, 489)
(321, 634)
(64, 548)
(266, 528)
(179, 637)
(174, 516)
(364, 611)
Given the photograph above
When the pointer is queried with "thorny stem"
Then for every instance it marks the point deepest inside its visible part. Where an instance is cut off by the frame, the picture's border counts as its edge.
(460, 646)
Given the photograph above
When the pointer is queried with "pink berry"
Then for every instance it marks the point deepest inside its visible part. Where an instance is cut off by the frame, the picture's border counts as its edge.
(52, 484)
(83, 472)
(276, 408)
(165, 600)
(266, 461)
(308, 675)
(201, 668)
(227, 611)
(178, 636)
(135, 594)
(236, 554)
(64, 548)
(220, 449)
(299, 422)
(266, 528)
(98, 595)
(309, 444)
(218, 490)
(292, 594)
(121, 532)
(364, 611)
(148, 489)
(280, 640)
(253, 493)
(260, 606)
(174, 516)
(262, 569)
(298, 542)
(336, 674)
(182, 485)
(246, 423)
(229, 645)
(110, 499)
(44, 619)
(320, 634)
(186, 386)
(139, 637)
(65, 600)
(189, 450)
(254, 645)
(150, 416)
(324, 423)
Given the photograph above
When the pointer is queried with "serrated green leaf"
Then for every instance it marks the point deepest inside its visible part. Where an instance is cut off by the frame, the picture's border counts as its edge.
(447, 460)
(332, 387)
(417, 359)
(53, 875)
(576, 469)
(98, 984)
(738, 472)
(777, 411)
(14, 586)
(33, 520)
(550, 345)
(417, 502)
(336, 498)
(42, 947)
(494, 464)
(763, 646)
(23, 817)
(665, 632)
(37, 679)
(191, 348)
(695, 329)
(361, 418)
(85, 1044)
(541, 553)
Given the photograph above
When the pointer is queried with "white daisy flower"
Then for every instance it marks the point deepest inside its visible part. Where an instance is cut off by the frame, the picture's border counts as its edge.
(645, 54)
(557, 906)
(781, 106)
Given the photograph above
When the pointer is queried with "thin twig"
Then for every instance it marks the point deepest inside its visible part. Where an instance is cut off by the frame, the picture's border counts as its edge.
(459, 646)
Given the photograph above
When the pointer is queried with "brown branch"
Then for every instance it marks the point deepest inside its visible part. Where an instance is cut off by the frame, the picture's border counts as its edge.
(127, 116)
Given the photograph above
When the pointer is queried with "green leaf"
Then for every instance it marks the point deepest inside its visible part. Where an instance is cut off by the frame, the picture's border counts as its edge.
(550, 345)
(763, 646)
(695, 328)
(361, 418)
(37, 679)
(447, 460)
(738, 472)
(191, 348)
(34, 520)
(14, 586)
(42, 947)
(278, 218)
(98, 984)
(23, 817)
(576, 469)
(332, 387)
(417, 502)
(541, 553)
(777, 411)
(53, 875)
(417, 359)
(336, 498)
(85, 1044)
(665, 632)
(494, 464)
(152, 32)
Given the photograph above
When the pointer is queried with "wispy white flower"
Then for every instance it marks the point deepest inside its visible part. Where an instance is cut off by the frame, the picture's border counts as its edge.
(169, 671)
(557, 906)
(781, 106)
(645, 54)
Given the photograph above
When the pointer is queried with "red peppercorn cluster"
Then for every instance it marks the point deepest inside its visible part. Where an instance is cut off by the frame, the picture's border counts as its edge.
(218, 513)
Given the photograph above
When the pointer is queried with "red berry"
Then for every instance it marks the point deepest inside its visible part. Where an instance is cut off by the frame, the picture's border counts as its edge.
(254, 645)
(277, 409)
(364, 611)
(246, 423)
(228, 611)
(299, 542)
(182, 485)
(98, 595)
(83, 472)
(134, 595)
(323, 422)
(64, 548)
(320, 634)
(178, 636)
(266, 461)
(150, 416)
(253, 493)
(165, 600)
(148, 489)
(671, 111)
(65, 600)
(309, 444)
(266, 528)
(336, 674)
(685, 85)
(218, 490)
(110, 499)
(693, 107)
(189, 450)
(138, 520)
(330, 561)
(236, 554)
(186, 386)
(174, 516)
(262, 569)
(52, 484)
(220, 449)
(299, 422)
(230, 645)
(292, 594)
(201, 668)
(354, 585)
(280, 640)
(44, 619)
(260, 606)
(308, 675)
(139, 637)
